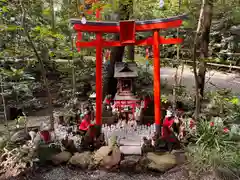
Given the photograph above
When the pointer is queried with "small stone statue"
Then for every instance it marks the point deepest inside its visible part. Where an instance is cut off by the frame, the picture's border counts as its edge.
(132, 123)
(147, 145)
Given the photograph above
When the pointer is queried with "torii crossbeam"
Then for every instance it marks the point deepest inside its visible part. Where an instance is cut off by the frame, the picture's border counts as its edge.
(127, 31)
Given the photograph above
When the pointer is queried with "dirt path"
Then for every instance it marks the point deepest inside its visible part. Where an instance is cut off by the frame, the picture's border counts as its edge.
(214, 79)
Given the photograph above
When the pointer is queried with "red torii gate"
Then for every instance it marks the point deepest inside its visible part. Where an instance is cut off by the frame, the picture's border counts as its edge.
(127, 30)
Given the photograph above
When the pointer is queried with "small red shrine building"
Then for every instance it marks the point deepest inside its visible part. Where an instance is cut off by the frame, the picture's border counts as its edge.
(125, 100)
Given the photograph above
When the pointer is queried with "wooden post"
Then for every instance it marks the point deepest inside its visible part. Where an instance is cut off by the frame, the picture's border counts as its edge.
(99, 81)
(156, 81)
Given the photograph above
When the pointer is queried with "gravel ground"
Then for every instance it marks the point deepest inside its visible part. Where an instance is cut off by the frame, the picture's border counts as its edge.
(64, 173)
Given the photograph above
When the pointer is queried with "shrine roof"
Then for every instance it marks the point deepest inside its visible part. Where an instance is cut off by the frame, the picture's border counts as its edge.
(123, 69)
(116, 23)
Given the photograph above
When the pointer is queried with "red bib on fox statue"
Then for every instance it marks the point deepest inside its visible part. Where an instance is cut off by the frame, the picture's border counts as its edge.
(167, 131)
(45, 136)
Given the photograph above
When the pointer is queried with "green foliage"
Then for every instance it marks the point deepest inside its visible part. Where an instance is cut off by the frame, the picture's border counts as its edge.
(222, 102)
(236, 15)
(17, 85)
(217, 139)
(213, 136)
(21, 121)
(164, 98)
(144, 76)
(215, 147)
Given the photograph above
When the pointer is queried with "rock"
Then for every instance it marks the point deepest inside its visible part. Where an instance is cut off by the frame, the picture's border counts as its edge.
(180, 156)
(62, 157)
(3, 142)
(101, 153)
(100, 141)
(143, 163)
(129, 163)
(20, 136)
(162, 162)
(113, 160)
(235, 29)
(81, 160)
(69, 145)
(46, 152)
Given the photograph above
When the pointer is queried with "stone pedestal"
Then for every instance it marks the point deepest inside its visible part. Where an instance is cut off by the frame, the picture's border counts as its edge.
(131, 150)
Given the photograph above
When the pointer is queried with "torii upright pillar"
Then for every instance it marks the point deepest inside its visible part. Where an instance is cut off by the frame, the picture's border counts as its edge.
(127, 31)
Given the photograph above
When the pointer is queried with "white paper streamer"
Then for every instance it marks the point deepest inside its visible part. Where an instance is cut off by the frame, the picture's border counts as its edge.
(161, 3)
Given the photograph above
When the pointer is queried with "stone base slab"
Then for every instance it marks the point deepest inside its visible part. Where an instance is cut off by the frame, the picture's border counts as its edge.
(131, 150)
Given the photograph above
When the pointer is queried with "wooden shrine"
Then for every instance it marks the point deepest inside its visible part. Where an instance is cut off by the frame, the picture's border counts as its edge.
(125, 100)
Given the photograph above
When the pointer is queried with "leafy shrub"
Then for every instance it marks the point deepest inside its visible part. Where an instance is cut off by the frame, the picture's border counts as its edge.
(222, 101)
(145, 77)
(216, 146)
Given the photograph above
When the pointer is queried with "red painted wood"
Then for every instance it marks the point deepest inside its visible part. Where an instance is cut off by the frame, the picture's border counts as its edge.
(162, 25)
(156, 77)
(163, 40)
(99, 79)
(116, 29)
(95, 28)
(90, 44)
(130, 102)
(127, 32)
(111, 43)
(144, 42)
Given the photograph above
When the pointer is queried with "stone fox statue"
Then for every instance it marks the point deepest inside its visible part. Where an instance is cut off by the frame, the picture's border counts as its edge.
(43, 136)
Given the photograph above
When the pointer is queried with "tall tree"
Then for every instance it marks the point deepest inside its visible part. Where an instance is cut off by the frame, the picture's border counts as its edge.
(206, 26)
(203, 28)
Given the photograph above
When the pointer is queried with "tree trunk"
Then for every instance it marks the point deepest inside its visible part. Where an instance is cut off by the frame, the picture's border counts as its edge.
(194, 59)
(52, 15)
(205, 20)
(110, 83)
(206, 25)
(130, 53)
(130, 49)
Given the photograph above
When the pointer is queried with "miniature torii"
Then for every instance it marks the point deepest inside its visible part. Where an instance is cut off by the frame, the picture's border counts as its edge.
(127, 31)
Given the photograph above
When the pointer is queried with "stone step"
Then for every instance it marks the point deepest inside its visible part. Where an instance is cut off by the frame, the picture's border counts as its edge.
(131, 150)
(128, 142)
